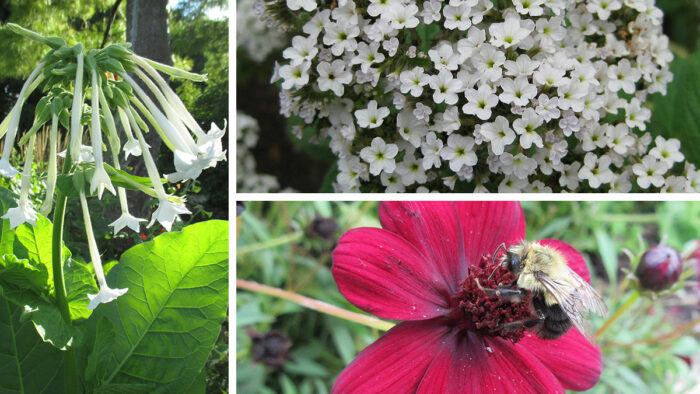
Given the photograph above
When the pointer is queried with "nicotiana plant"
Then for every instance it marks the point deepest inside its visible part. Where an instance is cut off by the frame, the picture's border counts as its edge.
(166, 308)
(482, 95)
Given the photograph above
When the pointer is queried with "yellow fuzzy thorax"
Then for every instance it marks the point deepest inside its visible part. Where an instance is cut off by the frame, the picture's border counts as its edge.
(536, 257)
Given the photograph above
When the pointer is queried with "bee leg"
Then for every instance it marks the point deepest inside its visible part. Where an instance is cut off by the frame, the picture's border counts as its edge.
(512, 295)
(528, 324)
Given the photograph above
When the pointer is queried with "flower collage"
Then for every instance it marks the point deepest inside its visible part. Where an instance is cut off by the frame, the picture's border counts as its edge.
(345, 284)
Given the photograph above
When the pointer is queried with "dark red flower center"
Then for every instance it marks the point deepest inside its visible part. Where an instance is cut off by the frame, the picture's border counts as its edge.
(488, 314)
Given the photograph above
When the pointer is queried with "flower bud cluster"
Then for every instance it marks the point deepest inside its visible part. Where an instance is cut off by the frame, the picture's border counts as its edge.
(483, 95)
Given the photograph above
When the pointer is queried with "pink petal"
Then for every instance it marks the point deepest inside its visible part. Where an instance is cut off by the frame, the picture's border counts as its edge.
(381, 273)
(572, 359)
(573, 257)
(487, 224)
(396, 362)
(432, 227)
(465, 366)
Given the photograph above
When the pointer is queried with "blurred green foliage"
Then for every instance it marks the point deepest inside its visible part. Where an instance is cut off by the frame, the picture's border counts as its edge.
(278, 247)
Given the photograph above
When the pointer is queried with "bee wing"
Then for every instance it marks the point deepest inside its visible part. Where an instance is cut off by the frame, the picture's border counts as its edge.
(573, 297)
(591, 300)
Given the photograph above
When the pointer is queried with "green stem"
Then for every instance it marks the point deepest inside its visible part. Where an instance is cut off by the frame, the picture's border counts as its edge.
(285, 239)
(316, 305)
(71, 383)
(630, 301)
(630, 218)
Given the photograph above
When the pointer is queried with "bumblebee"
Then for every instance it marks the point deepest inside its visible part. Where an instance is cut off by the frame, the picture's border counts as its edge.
(560, 297)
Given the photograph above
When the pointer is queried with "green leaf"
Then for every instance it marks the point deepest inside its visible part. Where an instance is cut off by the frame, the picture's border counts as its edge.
(22, 275)
(80, 280)
(167, 323)
(49, 324)
(677, 115)
(7, 236)
(27, 365)
(608, 255)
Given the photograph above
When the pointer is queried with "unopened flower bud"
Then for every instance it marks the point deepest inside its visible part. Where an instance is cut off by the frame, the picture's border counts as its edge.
(270, 348)
(323, 228)
(659, 268)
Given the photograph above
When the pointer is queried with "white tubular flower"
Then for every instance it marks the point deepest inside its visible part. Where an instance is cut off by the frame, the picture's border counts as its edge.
(100, 179)
(131, 147)
(126, 219)
(76, 130)
(6, 168)
(106, 294)
(170, 133)
(52, 172)
(167, 211)
(24, 212)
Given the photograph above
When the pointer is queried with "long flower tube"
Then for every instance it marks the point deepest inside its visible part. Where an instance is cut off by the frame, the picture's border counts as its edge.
(167, 211)
(126, 219)
(6, 168)
(24, 212)
(170, 112)
(182, 142)
(172, 98)
(52, 170)
(100, 179)
(131, 147)
(76, 130)
(106, 294)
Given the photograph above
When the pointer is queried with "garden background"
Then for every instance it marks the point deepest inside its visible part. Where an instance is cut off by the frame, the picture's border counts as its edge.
(285, 162)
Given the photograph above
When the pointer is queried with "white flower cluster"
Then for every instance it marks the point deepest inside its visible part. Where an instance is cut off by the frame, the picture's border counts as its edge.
(253, 34)
(483, 95)
(247, 180)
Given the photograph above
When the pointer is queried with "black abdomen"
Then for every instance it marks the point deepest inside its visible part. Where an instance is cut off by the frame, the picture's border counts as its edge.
(555, 324)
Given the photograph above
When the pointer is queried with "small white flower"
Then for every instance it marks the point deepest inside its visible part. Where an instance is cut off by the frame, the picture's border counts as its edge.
(372, 116)
(498, 133)
(403, 16)
(510, 32)
(445, 87)
(307, 5)
(529, 7)
(623, 76)
(333, 77)
(519, 165)
(126, 220)
(526, 127)
(518, 91)
(636, 115)
(380, 156)
(459, 152)
(366, 56)
(431, 151)
(411, 171)
(413, 81)
(667, 151)
(547, 107)
(480, 102)
(303, 49)
(444, 58)
(411, 128)
(295, 75)
(457, 17)
(650, 172)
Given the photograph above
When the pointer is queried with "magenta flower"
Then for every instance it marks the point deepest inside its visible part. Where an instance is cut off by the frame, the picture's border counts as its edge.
(421, 268)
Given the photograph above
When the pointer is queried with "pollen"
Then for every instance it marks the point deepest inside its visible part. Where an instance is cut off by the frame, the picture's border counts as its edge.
(487, 314)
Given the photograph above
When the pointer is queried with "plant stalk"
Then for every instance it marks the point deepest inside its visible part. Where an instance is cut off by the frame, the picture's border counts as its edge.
(285, 239)
(316, 305)
(69, 362)
(630, 301)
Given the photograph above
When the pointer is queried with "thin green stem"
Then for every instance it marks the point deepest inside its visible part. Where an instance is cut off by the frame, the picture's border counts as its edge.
(71, 383)
(630, 218)
(630, 301)
(316, 305)
(285, 239)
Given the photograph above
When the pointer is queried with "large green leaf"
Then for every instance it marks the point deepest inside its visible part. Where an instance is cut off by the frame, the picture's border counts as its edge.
(677, 115)
(163, 329)
(27, 365)
(80, 280)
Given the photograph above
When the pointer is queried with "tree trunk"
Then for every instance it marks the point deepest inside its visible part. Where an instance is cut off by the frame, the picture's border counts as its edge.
(147, 31)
